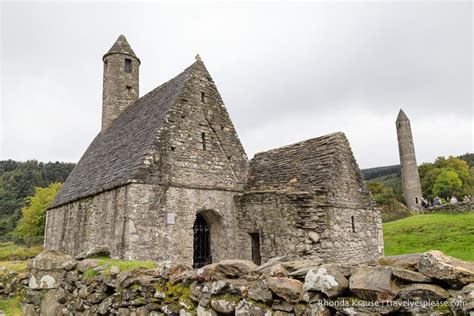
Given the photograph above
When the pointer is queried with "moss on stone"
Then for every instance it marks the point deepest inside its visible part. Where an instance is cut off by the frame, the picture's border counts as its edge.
(259, 304)
(442, 308)
(227, 297)
(90, 274)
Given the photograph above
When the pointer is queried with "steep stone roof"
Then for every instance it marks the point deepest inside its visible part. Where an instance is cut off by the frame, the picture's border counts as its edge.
(402, 116)
(309, 165)
(121, 46)
(116, 155)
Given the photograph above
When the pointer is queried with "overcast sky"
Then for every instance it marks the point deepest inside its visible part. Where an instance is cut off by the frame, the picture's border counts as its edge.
(286, 72)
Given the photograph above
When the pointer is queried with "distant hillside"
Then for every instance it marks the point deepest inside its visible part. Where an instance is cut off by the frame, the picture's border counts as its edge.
(388, 172)
(18, 180)
(377, 172)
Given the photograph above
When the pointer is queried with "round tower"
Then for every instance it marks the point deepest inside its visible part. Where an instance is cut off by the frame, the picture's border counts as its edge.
(121, 76)
(410, 178)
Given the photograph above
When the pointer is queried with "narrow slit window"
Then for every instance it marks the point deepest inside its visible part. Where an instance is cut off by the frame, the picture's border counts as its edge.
(129, 90)
(128, 65)
(256, 256)
(105, 65)
(203, 140)
(353, 224)
(203, 97)
(416, 200)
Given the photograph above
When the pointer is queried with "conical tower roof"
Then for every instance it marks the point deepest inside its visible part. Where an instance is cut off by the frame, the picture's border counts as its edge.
(402, 116)
(121, 46)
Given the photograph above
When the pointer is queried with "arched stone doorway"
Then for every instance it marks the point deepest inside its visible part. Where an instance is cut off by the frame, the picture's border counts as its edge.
(202, 242)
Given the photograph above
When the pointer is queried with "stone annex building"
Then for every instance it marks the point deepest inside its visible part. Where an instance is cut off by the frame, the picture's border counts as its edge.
(168, 179)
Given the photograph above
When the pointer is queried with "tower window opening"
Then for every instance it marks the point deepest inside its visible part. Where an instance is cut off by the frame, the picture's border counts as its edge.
(128, 65)
(203, 140)
(203, 97)
(416, 200)
(105, 65)
(129, 90)
(353, 224)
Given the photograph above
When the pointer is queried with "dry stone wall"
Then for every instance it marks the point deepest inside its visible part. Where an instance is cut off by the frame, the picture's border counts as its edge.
(419, 284)
(460, 207)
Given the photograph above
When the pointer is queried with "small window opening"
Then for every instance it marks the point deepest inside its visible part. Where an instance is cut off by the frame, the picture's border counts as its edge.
(353, 224)
(105, 65)
(222, 127)
(229, 157)
(128, 65)
(203, 140)
(129, 90)
(172, 148)
(256, 257)
(203, 97)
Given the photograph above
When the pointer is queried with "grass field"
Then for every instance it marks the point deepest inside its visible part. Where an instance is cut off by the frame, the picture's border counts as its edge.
(12, 251)
(11, 306)
(453, 234)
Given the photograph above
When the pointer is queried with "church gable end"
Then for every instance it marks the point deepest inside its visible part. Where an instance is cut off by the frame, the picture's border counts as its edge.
(198, 147)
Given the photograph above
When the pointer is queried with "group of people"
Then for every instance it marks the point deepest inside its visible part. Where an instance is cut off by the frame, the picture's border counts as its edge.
(437, 201)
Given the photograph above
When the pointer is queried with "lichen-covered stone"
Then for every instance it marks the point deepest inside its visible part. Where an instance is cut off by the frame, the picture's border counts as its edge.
(259, 291)
(439, 266)
(245, 308)
(326, 279)
(373, 283)
(223, 305)
(288, 289)
(462, 302)
(410, 276)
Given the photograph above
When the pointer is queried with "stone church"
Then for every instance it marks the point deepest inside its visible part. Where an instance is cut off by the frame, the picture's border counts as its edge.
(167, 178)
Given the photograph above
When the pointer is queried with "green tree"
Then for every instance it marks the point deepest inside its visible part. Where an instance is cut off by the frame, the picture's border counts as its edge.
(447, 184)
(32, 221)
(388, 201)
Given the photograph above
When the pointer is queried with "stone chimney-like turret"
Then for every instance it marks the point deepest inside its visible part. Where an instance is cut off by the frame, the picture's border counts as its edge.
(120, 80)
(410, 178)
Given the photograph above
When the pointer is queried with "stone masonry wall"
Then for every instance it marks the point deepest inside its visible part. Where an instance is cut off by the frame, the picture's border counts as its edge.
(409, 170)
(198, 147)
(131, 222)
(153, 237)
(296, 225)
(288, 224)
(120, 88)
(89, 223)
(418, 284)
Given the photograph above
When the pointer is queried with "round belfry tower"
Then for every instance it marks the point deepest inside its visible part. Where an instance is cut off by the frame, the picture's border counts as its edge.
(410, 178)
(120, 80)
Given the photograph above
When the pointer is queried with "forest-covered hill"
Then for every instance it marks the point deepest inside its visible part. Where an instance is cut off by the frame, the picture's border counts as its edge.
(18, 180)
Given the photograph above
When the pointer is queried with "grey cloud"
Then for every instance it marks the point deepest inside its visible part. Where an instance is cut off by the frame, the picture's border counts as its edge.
(286, 71)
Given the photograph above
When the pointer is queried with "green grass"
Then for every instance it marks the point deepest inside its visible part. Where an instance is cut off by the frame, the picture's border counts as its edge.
(123, 265)
(14, 265)
(453, 234)
(11, 306)
(12, 251)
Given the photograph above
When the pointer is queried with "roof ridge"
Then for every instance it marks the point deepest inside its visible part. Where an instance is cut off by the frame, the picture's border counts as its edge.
(338, 134)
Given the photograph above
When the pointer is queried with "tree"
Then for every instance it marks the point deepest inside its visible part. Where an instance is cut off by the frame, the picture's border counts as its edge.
(18, 181)
(31, 223)
(432, 173)
(388, 201)
(447, 184)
